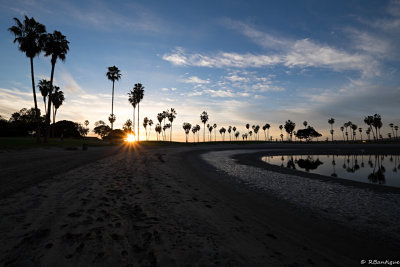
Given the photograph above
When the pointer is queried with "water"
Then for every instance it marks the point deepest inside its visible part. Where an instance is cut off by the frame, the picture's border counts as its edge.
(375, 169)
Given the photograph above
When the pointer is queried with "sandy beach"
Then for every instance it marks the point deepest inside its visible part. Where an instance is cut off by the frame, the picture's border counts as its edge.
(165, 206)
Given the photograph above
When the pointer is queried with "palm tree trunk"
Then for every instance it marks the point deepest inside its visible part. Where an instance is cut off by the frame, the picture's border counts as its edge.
(37, 117)
(138, 118)
(112, 106)
(170, 134)
(45, 109)
(54, 118)
(49, 104)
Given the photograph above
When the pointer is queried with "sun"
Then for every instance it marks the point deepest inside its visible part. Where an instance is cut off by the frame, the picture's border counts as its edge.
(130, 138)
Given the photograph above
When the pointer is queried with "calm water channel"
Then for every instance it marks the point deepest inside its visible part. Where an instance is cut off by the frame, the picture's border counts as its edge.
(376, 169)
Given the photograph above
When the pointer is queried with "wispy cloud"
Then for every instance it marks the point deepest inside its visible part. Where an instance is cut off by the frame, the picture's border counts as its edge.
(195, 80)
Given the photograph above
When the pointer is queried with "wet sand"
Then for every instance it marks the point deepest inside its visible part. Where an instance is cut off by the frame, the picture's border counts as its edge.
(159, 206)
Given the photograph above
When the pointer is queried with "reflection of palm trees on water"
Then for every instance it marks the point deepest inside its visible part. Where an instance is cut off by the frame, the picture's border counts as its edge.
(373, 165)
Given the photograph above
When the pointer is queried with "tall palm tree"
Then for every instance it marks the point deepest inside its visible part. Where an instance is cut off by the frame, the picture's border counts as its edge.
(204, 119)
(186, 126)
(113, 74)
(267, 126)
(171, 117)
(44, 87)
(289, 128)
(132, 99)
(331, 121)
(360, 130)
(354, 127)
(57, 99)
(56, 46)
(369, 120)
(229, 131)
(145, 123)
(391, 125)
(247, 127)
(215, 132)
(150, 124)
(30, 36)
(342, 129)
(138, 90)
(396, 128)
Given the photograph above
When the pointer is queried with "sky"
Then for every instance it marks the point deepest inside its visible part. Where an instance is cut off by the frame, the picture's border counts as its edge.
(243, 62)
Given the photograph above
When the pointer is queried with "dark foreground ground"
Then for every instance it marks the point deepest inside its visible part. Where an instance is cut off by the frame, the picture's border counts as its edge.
(150, 206)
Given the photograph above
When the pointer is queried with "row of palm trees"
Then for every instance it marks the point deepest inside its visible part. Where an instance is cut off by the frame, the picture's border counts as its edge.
(32, 39)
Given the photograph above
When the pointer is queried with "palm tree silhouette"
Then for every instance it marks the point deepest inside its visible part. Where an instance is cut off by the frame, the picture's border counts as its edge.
(204, 119)
(342, 129)
(30, 36)
(256, 129)
(44, 87)
(127, 127)
(354, 127)
(331, 121)
(145, 123)
(305, 123)
(132, 99)
(360, 130)
(247, 127)
(187, 126)
(215, 133)
(369, 120)
(237, 135)
(194, 130)
(56, 46)
(280, 128)
(150, 124)
(57, 99)
(267, 126)
(210, 128)
(158, 129)
(346, 125)
(171, 117)
(197, 130)
(391, 125)
(222, 133)
(229, 131)
(289, 128)
(160, 117)
(377, 123)
(138, 90)
(396, 128)
(265, 135)
(113, 74)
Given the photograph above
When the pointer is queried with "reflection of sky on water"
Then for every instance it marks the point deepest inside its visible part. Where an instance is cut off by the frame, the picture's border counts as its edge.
(377, 169)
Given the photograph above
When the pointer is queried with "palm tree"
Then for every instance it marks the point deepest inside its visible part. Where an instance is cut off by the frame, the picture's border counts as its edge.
(215, 133)
(237, 135)
(145, 123)
(247, 127)
(368, 132)
(305, 123)
(194, 130)
(158, 130)
(267, 126)
(57, 99)
(377, 123)
(160, 118)
(342, 129)
(360, 130)
(391, 125)
(265, 135)
(44, 87)
(56, 46)
(369, 120)
(204, 119)
(229, 131)
(138, 90)
(198, 130)
(171, 117)
(346, 125)
(150, 124)
(289, 128)
(331, 121)
(186, 126)
(396, 128)
(280, 128)
(30, 36)
(132, 99)
(113, 74)
(222, 131)
(256, 129)
(354, 127)
(210, 128)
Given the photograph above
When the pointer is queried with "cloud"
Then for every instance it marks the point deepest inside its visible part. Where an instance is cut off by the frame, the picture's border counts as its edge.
(195, 79)
(303, 53)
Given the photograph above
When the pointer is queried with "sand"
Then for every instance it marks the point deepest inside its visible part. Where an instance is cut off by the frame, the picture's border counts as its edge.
(158, 206)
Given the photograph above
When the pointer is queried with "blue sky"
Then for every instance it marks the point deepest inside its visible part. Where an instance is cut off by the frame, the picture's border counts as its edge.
(243, 62)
